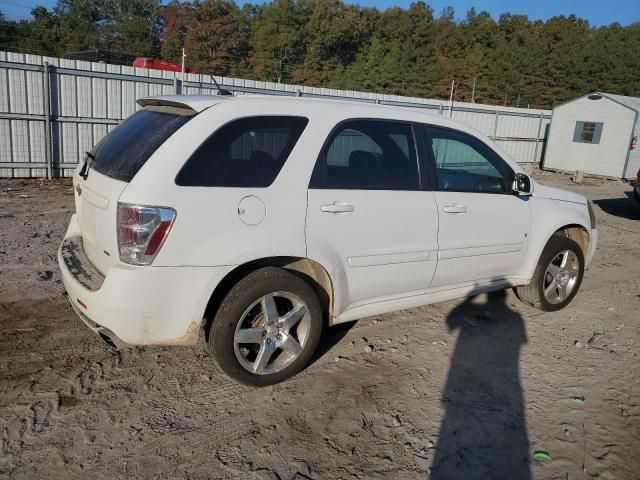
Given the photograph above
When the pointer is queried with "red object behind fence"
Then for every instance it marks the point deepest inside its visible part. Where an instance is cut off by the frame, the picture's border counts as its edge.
(154, 64)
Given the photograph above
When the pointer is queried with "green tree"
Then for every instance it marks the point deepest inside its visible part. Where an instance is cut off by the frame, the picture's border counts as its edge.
(333, 33)
(42, 35)
(609, 60)
(477, 39)
(277, 40)
(511, 61)
(401, 57)
(176, 19)
(79, 24)
(8, 34)
(133, 26)
(217, 38)
(562, 45)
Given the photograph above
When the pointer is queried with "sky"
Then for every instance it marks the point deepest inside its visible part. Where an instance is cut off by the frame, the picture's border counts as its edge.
(598, 12)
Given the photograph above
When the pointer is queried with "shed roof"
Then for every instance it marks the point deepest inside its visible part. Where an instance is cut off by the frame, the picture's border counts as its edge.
(632, 102)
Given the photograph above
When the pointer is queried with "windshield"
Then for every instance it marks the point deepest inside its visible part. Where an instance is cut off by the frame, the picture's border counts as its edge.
(126, 149)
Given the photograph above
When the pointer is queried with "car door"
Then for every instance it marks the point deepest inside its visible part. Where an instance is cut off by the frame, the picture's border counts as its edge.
(367, 216)
(483, 226)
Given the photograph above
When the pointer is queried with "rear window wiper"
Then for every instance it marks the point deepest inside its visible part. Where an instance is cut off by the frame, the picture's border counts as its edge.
(88, 161)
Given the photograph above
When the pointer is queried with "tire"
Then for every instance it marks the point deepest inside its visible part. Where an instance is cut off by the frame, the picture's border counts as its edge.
(255, 310)
(534, 293)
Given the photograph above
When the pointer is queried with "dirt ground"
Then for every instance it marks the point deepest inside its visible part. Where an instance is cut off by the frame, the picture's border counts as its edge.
(464, 389)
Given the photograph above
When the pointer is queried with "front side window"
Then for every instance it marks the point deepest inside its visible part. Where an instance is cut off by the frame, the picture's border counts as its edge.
(587, 132)
(249, 152)
(465, 164)
(368, 154)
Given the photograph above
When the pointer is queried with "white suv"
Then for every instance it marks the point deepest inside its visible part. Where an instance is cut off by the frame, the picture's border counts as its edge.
(261, 219)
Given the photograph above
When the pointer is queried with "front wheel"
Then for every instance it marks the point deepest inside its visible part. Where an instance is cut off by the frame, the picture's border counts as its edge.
(557, 277)
(267, 327)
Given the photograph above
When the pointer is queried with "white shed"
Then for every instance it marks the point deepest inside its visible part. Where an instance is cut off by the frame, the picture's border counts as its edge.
(596, 133)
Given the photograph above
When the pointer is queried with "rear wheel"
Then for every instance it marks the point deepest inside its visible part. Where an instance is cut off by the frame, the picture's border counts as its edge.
(266, 328)
(557, 277)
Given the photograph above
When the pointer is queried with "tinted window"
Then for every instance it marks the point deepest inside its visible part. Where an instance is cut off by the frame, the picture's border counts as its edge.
(465, 164)
(125, 149)
(368, 154)
(248, 152)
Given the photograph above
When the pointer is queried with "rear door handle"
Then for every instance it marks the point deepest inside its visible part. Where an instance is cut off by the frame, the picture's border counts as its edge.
(454, 208)
(336, 207)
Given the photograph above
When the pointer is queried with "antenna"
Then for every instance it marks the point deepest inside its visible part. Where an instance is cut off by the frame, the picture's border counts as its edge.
(221, 91)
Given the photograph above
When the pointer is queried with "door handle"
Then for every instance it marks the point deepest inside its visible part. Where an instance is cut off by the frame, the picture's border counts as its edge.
(454, 208)
(336, 207)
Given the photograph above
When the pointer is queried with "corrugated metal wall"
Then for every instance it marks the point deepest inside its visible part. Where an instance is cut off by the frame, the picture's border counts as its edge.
(52, 110)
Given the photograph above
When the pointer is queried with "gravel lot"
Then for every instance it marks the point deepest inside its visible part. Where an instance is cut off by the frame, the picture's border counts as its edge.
(464, 389)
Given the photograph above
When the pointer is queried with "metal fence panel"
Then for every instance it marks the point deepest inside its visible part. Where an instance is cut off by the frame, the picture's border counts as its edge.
(52, 110)
(482, 121)
(520, 151)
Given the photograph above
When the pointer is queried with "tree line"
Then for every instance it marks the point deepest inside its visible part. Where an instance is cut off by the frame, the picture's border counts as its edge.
(414, 51)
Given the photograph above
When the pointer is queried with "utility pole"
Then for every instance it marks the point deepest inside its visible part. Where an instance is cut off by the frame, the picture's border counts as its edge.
(183, 57)
(453, 83)
(473, 91)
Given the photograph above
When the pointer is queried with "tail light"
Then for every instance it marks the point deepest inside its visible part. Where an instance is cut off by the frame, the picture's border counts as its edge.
(141, 232)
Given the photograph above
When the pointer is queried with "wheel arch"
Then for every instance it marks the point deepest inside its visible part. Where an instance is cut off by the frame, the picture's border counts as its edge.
(573, 230)
(579, 234)
(312, 271)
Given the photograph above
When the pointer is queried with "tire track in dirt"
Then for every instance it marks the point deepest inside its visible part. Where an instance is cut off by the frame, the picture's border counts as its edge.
(71, 407)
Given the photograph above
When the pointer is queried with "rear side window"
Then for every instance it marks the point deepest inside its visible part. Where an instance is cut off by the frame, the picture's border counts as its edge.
(126, 149)
(368, 155)
(249, 152)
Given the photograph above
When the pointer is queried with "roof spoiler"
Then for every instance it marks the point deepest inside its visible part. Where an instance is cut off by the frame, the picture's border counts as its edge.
(161, 102)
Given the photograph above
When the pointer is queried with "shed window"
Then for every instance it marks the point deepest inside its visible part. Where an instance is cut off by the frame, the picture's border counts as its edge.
(587, 132)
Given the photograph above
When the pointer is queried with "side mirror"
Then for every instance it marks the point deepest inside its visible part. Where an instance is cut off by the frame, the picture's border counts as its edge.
(522, 185)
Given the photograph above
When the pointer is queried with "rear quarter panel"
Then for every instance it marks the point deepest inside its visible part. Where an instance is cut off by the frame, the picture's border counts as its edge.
(208, 230)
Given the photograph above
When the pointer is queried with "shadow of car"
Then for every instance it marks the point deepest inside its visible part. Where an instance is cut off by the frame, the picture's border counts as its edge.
(623, 207)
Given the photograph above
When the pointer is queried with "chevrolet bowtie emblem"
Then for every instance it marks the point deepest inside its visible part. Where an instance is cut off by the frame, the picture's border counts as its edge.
(79, 190)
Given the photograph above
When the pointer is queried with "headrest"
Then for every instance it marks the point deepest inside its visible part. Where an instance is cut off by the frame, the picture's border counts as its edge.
(362, 159)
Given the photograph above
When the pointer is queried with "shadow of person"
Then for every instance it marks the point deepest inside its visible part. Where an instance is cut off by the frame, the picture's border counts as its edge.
(483, 434)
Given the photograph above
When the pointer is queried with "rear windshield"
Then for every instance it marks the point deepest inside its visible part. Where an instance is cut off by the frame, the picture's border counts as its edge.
(125, 149)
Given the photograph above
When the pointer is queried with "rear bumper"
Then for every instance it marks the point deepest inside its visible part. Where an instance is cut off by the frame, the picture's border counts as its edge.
(137, 305)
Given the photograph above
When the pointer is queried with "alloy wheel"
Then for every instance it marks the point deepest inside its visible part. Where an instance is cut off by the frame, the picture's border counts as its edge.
(561, 277)
(272, 333)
